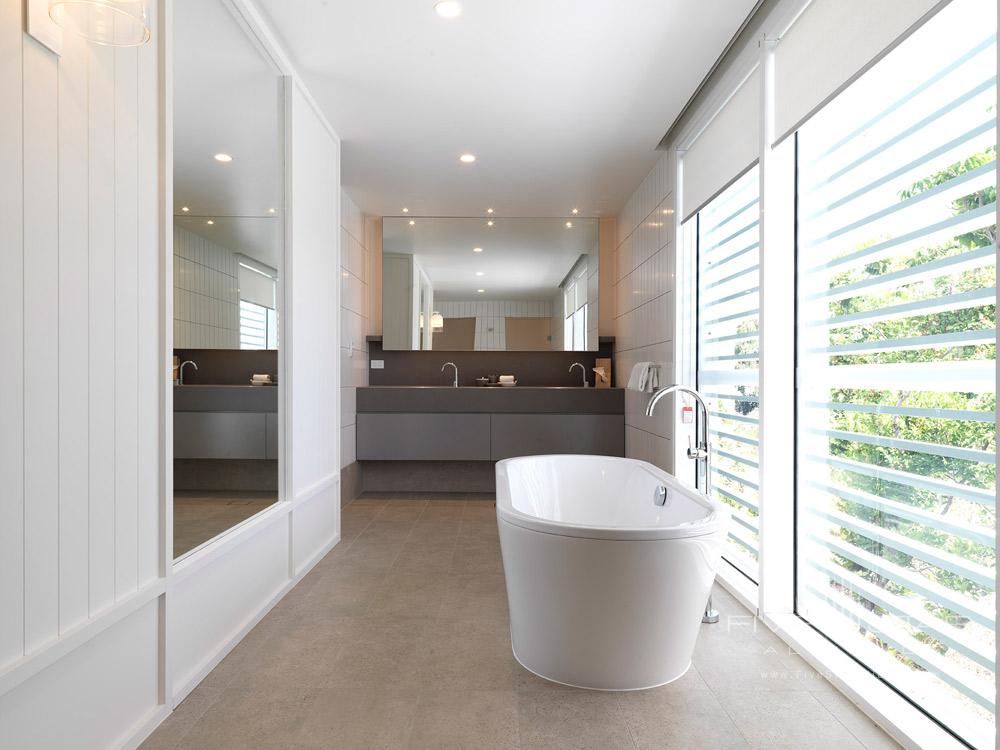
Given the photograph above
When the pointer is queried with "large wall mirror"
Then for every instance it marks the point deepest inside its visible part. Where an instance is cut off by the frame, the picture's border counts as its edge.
(505, 284)
(228, 257)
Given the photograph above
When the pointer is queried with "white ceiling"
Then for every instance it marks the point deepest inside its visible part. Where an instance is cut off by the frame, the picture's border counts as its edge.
(562, 101)
(227, 99)
(522, 259)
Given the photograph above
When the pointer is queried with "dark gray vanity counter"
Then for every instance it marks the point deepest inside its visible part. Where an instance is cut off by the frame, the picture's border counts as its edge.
(490, 400)
(226, 398)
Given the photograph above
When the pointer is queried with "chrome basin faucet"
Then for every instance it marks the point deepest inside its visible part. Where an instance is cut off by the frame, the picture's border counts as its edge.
(180, 371)
(701, 452)
(455, 382)
(582, 370)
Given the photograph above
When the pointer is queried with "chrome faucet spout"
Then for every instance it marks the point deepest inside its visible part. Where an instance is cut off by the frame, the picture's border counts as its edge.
(701, 452)
(180, 371)
(455, 382)
(583, 370)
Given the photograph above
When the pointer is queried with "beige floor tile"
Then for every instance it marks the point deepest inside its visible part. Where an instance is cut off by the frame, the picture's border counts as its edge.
(786, 721)
(580, 720)
(679, 715)
(469, 655)
(868, 733)
(170, 734)
(461, 719)
(350, 718)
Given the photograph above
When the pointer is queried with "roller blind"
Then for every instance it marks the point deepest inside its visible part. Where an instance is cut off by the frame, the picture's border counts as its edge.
(257, 283)
(828, 45)
(726, 148)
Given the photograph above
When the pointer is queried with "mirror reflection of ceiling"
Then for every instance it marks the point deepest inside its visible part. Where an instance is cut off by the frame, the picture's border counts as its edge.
(227, 99)
(521, 259)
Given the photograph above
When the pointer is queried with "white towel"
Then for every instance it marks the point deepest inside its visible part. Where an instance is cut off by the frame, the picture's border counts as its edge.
(639, 376)
(653, 381)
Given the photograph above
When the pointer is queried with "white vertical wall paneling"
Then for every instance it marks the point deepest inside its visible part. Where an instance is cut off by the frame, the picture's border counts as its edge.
(41, 348)
(73, 398)
(126, 330)
(102, 373)
(316, 232)
(11, 338)
(151, 368)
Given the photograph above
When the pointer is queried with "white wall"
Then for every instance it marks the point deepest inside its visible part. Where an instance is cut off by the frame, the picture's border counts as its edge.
(80, 539)
(206, 293)
(354, 320)
(644, 303)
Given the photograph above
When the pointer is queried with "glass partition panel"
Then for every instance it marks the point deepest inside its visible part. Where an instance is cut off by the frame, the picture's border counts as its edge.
(896, 393)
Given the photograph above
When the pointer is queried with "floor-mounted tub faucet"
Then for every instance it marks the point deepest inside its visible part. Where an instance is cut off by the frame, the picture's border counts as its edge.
(582, 370)
(455, 383)
(701, 453)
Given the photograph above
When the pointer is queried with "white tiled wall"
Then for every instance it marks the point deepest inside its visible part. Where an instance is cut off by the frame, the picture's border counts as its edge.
(206, 304)
(644, 286)
(354, 271)
(491, 317)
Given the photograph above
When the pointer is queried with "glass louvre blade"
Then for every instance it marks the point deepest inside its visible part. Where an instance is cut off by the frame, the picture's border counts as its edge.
(728, 278)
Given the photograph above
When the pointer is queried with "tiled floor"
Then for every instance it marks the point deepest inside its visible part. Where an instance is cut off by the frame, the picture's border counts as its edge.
(200, 516)
(399, 639)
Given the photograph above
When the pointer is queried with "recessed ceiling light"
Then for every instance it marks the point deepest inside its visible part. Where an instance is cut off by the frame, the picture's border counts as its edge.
(210, 222)
(224, 158)
(467, 158)
(185, 209)
(270, 210)
(448, 8)
(489, 210)
(480, 273)
(569, 224)
(489, 223)
(406, 210)
(477, 249)
(480, 291)
(576, 211)
(412, 222)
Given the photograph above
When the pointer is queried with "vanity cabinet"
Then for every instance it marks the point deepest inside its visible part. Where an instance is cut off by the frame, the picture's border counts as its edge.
(423, 437)
(220, 434)
(478, 424)
(225, 422)
(539, 434)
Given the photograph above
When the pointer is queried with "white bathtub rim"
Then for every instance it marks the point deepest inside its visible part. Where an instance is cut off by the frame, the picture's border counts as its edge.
(715, 519)
(597, 689)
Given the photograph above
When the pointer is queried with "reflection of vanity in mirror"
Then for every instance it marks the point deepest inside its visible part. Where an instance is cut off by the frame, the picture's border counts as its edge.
(228, 249)
(471, 284)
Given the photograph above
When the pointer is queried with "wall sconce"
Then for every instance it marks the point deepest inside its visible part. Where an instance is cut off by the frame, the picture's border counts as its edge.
(113, 23)
(437, 322)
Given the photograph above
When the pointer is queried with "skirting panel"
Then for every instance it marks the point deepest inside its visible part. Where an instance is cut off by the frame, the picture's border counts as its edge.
(96, 696)
(212, 607)
(315, 524)
(429, 476)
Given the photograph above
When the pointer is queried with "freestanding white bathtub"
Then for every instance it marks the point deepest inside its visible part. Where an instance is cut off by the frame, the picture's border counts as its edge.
(606, 588)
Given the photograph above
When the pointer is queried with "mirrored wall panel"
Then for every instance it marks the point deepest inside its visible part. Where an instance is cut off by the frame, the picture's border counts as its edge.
(505, 284)
(228, 256)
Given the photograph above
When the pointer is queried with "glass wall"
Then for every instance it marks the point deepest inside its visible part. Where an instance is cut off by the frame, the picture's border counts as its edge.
(728, 316)
(896, 501)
